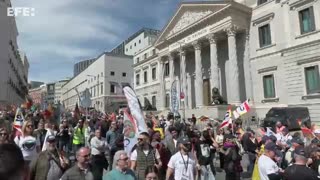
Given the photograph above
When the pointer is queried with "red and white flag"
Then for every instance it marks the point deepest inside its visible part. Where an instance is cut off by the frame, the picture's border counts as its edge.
(227, 118)
(242, 109)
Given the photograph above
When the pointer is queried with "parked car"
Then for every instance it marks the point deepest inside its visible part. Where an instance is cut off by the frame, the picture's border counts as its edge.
(292, 117)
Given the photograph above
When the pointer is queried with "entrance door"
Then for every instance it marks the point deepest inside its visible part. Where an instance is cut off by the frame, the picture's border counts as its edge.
(206, 92)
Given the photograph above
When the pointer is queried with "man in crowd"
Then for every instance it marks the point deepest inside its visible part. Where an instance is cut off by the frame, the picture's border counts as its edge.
(268, 169)
(122, 170)
(299, 170)
(144, 155)
(82, 169)
(205, 151)
(13, 166)
(41, 132)
(289, 156)
(171, 141)
(78, 136)
(99, 161)
(64, 135)
(182, 164)
(50, 164)
(111, 137)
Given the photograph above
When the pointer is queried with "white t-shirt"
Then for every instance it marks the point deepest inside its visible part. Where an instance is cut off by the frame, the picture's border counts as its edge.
(184, 168)
(134, 154)
(266, 166)
(28, 146)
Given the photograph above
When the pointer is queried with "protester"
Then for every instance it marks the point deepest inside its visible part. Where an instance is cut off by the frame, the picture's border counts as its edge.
(268, 169)
(64, 135)
(78, 136)
(205, 151)
(99, 161)
(82, 169)
(4, 136)
(121, 170)
(183, 164)
(171, 141)
(219, 140)
(12, 162)
(232, 165)
(41, 132)
(28, 144)
(143, 156)
(50, 164)
(111, 137)
(299, 170)
(279, 127)
(250, 145)
(151, 173)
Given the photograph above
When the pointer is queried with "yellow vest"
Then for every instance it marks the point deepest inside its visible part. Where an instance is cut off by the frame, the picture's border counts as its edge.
(78, 137)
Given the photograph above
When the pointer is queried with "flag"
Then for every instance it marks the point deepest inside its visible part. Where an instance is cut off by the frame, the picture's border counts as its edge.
(130, 132)
(227, 118)
(242, 109)
(307, 133)
(76, 112)
(135, 109)
(18, 120)
(270, 132)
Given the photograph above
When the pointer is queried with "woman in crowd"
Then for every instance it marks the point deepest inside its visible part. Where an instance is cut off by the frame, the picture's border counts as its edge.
(151, 173)
(28, 144)
(219, 140)
(4, 136)
(232, 165)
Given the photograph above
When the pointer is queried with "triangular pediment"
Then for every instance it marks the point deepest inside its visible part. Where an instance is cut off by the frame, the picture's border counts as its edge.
(189, 14)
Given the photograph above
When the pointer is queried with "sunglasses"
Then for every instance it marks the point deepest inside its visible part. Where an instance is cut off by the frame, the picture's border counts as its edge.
(125, 159)
(3, 134)
(140, 139)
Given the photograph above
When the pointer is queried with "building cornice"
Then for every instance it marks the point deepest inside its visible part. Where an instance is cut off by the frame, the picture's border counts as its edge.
(145, 60)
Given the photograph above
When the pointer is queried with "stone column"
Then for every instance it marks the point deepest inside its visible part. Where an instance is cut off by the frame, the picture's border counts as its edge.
(171, 69)
(233, 68)
(178, 90)
(247, 67)
(214, 79)
(183, 79)
(162, 92)
(198, 71)
(189, 92)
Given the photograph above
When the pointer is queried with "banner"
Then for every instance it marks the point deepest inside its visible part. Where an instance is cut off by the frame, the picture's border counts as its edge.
(135, 109)
(227, 118)
(85, 99)
(130, 132)
(18, 120)
(242, 109)
(174, 98)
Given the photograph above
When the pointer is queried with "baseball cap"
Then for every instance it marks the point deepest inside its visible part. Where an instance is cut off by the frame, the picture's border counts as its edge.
(271, 147)
(297, 140)
(184, 140)
(51, 138)
(300, 151)
(273, 138)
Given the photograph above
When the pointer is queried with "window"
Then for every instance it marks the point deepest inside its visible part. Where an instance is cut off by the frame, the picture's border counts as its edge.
(127, 50)
(306, 18)
(139, 41)
(145, 55)
(312, 79)
(264, 35)
(137, 79)
(101, 88)
(130, 47)
(166, 70)
(145, 76)
(154, 52)
(153, 101)
(95, 78)
(124, 74)
(154, 73)
(112, 88)
(137, 60)
(167, 100)
(135, 44)
(101, 74)
(268, 86)
(94, 91)
(262, 1)
(112, 73)
(97, 90)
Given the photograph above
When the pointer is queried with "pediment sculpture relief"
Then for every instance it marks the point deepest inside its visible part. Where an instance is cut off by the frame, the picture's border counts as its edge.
(188, 18)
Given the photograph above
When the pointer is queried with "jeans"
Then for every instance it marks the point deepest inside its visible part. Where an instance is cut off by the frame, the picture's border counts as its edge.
(64, 146)
(206, 173)
(252, 160)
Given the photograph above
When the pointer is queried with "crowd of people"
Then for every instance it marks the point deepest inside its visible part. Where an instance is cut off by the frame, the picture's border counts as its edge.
(93, 149)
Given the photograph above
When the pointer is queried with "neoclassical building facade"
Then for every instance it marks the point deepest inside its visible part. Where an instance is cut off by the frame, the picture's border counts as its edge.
(265, 50)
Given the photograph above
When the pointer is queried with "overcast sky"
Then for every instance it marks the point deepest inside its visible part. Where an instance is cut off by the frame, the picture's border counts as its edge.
(63, 32)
